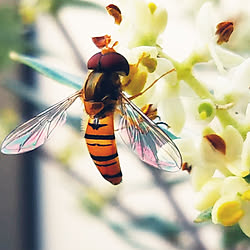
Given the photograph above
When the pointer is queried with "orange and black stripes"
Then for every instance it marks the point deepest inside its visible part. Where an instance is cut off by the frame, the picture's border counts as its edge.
(101, 144)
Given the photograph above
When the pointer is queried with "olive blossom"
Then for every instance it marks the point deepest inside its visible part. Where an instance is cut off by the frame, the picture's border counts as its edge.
(239, 14)
(229, 198)
(206, 44)
(143, 22)
(201, 171)
(212, 119)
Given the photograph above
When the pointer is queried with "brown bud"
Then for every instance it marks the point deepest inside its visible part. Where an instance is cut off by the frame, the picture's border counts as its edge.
(224, 31)
(115, 12)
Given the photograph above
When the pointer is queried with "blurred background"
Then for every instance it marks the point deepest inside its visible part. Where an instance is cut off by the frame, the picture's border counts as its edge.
(53, 198)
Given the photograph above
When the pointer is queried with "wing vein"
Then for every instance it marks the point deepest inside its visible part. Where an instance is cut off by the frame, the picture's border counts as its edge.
(38, 129)
(147, 139)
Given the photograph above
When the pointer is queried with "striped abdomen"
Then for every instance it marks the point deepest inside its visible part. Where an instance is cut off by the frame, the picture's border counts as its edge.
(101, 144)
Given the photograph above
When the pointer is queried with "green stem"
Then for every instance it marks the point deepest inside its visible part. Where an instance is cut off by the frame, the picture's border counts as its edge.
(226, 119)
(199, 88)
(184, 71)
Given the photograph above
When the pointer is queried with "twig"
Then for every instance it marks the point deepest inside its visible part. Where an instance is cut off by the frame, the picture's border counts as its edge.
(198, 245)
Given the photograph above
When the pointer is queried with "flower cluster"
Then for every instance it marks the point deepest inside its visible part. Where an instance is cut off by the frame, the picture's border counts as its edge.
(211, 117)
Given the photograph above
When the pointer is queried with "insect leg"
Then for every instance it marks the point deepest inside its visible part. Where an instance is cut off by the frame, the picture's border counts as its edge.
(151, 85)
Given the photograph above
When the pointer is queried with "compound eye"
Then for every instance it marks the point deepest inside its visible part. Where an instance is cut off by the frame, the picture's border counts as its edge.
(94, 62)
(114, 62)
(109, 62)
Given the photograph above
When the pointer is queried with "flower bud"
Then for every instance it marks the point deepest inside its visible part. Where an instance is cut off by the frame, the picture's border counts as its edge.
(206, 110)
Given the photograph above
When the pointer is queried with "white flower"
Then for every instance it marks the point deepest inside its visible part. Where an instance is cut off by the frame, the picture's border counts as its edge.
(235, 157)
(145, 69)
(201, 171)
(207, 46)
(142, 22)
(240, 14)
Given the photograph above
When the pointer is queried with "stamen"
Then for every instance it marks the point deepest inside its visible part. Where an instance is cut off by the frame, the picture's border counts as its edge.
(186, 167)
(216, 142)
(224, 31)
(152, 7)
(115, 12)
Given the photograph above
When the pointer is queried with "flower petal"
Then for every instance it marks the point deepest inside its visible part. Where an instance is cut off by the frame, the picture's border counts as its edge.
(237, 168)
(228, 58)
(172, 111)
(233, 185)
(234, 143)
(241, 76)
(142, 22)
(245, 156)
(209, 154)
(204, 22)
(209, 194)
(201, 174)
(244, 221)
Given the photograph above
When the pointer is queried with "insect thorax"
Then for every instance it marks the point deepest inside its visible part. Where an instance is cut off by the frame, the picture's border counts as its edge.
(101, 91)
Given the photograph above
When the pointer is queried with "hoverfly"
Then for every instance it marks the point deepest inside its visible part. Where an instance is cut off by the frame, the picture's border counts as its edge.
(102, 96)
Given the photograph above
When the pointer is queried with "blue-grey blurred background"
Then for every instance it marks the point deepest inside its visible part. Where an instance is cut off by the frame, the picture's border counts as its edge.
(53, 198)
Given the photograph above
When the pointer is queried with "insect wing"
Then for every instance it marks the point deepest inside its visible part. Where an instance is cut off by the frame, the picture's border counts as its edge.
(37, 130)
(147, 139)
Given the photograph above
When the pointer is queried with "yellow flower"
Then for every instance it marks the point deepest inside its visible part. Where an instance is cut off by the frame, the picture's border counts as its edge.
(234, 204)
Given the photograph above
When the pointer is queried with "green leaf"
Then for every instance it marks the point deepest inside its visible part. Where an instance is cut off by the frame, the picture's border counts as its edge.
(156, 225)
(247, 178)
(233, 236)
(124, 232)
(53, 73)
(206, 215)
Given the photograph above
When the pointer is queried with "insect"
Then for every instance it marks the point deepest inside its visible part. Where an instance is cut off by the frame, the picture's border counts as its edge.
(102, 96)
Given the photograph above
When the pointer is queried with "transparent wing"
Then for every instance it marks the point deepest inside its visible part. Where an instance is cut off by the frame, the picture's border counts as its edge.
(147, 139)
(37, 130)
